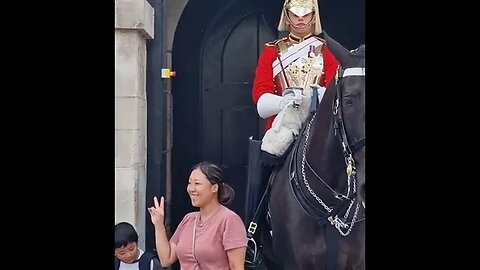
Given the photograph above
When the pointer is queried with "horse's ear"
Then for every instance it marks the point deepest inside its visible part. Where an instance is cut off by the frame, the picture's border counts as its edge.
(340, 52)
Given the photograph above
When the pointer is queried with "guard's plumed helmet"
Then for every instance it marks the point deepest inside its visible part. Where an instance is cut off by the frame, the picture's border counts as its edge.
(300, 8)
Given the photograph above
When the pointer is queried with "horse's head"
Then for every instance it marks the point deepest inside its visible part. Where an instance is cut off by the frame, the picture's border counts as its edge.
(349, 108)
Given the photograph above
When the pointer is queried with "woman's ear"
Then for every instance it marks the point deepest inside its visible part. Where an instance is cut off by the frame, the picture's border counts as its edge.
(215, 188)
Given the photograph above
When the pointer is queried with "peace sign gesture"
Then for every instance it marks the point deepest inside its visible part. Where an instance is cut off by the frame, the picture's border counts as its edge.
(157, 213)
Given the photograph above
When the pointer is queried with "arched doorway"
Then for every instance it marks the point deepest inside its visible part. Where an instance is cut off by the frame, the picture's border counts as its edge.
(213, 110)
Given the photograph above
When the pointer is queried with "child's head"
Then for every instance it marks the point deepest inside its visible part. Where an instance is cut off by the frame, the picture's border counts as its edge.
(126, 239)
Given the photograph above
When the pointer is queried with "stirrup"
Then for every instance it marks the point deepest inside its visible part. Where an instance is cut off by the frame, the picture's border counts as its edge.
(255, 252)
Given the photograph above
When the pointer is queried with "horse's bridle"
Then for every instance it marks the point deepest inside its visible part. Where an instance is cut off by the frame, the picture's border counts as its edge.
(339, 126)
(346, 200)
(338, 112)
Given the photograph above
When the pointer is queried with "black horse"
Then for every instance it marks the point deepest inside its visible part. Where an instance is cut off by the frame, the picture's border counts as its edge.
(317, 200)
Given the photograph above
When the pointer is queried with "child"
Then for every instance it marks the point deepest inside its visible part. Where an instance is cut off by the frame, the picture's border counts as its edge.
(127, 254)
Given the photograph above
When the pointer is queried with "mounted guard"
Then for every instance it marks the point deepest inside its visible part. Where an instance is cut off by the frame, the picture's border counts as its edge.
(290, 79)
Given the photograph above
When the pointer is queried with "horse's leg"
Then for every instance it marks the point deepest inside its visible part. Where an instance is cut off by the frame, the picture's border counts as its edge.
(312, 252)
(281, 215)
(360, 265)
(351, 253)
(358, 258)
(265, 240)
(307, 237)
(297, 240)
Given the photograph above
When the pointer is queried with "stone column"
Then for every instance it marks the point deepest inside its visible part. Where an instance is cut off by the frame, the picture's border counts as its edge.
(133, 26)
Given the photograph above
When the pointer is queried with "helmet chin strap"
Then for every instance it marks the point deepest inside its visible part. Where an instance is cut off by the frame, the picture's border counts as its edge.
(300, 28)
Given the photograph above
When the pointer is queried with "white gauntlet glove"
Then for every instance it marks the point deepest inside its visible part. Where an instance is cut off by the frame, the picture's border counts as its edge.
(292, 97)
(271, 104)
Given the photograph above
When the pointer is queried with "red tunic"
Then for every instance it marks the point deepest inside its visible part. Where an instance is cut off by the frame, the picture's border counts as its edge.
(264, 81)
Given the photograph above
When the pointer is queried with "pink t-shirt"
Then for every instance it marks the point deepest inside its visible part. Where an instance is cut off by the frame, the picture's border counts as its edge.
(221, 232)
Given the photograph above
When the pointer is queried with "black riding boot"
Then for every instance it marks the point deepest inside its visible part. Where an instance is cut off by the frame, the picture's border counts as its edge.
(257, 182)
(258, 175)
(255, 179)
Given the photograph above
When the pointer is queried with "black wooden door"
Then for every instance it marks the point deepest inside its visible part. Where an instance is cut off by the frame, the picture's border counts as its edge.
(229, 57)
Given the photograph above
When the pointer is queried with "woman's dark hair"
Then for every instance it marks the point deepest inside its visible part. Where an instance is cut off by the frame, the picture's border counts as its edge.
(125, 234)
(226, 194)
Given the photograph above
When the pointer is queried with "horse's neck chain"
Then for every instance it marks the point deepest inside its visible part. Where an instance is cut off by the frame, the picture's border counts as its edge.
(340, 225)
(307, 133)
(337, 222)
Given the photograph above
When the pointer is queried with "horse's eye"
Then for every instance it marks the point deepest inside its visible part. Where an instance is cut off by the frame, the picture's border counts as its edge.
(348, 101)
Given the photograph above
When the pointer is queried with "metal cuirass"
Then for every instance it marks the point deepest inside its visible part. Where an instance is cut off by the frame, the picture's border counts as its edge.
(302, 72)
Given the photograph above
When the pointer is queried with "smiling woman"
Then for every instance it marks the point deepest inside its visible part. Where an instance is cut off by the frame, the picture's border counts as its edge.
(212, 238)
(206, 185)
